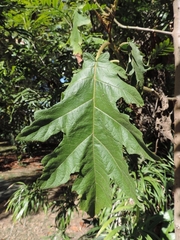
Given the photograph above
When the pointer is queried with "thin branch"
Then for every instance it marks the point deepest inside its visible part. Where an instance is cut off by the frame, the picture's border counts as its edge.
(133, 27)
(142, 29)
(151, 90)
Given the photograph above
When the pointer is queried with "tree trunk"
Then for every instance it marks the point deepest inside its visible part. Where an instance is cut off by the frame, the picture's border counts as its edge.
(176, 37)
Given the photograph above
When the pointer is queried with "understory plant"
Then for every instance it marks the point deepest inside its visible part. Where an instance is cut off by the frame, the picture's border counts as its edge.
(28, 199)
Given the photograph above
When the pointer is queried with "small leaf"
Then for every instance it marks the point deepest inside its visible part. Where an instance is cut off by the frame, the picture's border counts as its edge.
(105, 225)
(75, 38)
(125, 47)
(81, 20)
(136, 60)
(162, 49)
(112, 233)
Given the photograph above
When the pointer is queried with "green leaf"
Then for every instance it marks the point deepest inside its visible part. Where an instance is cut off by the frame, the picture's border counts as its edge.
(75, 38)
(89, 7)
(136, 61)
(105, 225)
(112, 233)
(81, 20)
(95, 134)
(164, 48)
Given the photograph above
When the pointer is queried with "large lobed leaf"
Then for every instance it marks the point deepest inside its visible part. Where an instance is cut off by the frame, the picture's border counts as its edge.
(95, 134)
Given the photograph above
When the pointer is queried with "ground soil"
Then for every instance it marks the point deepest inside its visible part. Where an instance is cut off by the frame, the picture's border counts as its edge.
(34, 227)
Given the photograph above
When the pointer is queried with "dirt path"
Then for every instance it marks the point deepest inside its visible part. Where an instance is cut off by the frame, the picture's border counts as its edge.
(35, 227)
(39, 227)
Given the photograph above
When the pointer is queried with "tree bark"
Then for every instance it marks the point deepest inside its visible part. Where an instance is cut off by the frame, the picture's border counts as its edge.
(176, 38)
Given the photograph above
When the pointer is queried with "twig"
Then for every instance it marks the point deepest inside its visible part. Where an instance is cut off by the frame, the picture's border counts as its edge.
(134, 27)
(151, 90)
(142, 29)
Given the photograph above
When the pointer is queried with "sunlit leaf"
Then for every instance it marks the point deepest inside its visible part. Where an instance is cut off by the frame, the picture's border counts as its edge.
(95, 134)
(75, 38)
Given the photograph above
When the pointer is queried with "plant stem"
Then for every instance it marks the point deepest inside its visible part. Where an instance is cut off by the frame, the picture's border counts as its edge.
(151, 90)
(142, 29)
(104, 45)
